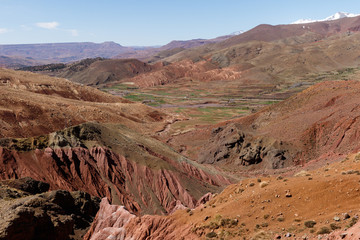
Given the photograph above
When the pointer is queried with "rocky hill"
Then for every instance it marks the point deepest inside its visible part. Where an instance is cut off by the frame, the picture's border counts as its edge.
(319, 123)
(266, 207)
(29, 211)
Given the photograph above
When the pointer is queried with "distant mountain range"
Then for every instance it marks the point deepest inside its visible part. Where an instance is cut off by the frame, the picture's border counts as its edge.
(22, 55)
(62, 52)
(265, 53)
(336, 16)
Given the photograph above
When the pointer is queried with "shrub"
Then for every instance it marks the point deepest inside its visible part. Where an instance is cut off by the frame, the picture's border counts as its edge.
(333, 226)
(309, 224)
(324, 230)
(213, 225)
(211, 235)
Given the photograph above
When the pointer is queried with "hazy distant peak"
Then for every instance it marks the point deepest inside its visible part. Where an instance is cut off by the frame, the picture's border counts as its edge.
(110, 43)
(336, 16)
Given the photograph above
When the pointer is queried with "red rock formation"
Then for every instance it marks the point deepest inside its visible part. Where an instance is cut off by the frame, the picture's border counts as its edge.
(110, 220)
(117, 222)
(102, 172)
(140, 173)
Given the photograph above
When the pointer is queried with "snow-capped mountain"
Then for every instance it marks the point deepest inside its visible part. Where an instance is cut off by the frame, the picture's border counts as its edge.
(336, 16)
(237, 32)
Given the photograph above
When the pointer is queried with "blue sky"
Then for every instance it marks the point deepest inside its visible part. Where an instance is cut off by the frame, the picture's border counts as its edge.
(150, 22)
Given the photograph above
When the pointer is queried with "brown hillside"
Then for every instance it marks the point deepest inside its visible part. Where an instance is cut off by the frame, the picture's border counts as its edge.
(104, 71)
(269, 33)
(282, 64)
(18, 62)
(95, 71)
(32, 104)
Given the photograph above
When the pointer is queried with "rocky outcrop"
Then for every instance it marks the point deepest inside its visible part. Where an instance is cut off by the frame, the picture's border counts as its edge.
(48, 215)
(350, 233)
(27, 185)
(110, 161)
(231, 145)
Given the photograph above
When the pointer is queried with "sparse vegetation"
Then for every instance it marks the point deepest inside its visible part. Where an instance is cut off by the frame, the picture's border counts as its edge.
(352, 222)
(146, 99)
(265, 224)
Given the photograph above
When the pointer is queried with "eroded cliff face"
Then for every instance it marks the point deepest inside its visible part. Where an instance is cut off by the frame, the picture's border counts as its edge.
(106, 161)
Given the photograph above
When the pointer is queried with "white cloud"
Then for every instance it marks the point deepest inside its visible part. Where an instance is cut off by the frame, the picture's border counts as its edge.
(55, 26)
(3, 30)
(48, 25)
(74, 32)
